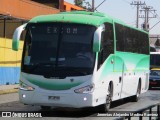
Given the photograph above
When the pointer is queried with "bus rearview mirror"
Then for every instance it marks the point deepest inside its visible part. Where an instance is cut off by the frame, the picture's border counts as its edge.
(16, 37)
(97, 38)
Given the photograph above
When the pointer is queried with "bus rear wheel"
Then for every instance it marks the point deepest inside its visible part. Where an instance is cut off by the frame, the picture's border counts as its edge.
(136, 97)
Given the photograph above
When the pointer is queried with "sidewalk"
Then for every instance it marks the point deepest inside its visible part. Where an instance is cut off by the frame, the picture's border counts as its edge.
(6, 89)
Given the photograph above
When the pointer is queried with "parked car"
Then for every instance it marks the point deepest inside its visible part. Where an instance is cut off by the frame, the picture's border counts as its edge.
(154, 80)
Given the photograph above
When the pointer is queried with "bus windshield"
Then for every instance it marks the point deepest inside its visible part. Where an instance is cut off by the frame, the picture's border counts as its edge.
(155, 59)
(61, 48)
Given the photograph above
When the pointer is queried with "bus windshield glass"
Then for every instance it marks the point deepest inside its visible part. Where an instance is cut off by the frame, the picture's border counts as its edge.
(155, 60)
(62, 48)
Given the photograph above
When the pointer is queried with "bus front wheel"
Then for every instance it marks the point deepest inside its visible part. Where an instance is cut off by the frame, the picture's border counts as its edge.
(105, 107)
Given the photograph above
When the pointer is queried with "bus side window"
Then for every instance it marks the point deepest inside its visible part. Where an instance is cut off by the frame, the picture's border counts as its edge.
(28, 42)
(107, 44)
(100, 54)
(108, 41)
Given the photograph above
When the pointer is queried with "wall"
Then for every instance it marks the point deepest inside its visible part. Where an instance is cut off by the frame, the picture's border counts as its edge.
(10, 26)
(70, 7)
(15, 12)
(9, 62)
(24, 9)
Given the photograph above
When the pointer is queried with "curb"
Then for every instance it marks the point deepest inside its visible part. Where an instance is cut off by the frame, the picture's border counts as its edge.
(15, 90)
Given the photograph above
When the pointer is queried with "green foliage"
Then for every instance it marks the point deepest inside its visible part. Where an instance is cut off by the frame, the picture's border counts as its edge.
(78, 3)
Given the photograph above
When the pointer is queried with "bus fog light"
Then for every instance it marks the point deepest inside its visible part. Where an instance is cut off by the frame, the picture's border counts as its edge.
(84, 98)
(23, 95)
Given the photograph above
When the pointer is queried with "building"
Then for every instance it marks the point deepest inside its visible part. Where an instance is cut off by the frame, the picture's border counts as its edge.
(13, 13)
(59, 4)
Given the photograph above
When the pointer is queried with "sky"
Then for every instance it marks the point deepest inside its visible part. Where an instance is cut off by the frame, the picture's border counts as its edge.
(122, 10)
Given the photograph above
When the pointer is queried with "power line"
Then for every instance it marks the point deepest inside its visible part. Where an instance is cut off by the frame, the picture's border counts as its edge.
(147, 10)
(92, 7)
(154, 25)
(100, 4)
(157, 16)
(138, 4)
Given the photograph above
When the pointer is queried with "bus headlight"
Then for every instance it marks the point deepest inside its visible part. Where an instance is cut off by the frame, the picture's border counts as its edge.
(86, 89)
(26, 87)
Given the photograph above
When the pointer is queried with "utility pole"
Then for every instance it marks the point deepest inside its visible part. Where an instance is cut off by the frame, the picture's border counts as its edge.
(92, 5)
(147, 10)
(138, 4)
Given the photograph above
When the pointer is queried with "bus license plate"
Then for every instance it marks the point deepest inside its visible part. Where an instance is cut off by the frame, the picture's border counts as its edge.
(56, 98)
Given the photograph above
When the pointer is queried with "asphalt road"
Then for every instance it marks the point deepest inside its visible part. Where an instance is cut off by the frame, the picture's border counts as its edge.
(9, 102)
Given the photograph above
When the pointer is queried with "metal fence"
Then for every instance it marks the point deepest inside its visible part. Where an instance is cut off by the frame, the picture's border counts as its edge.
(151, 112)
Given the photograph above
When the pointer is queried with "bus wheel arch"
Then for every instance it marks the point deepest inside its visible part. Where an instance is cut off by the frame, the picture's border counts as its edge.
(106, 106)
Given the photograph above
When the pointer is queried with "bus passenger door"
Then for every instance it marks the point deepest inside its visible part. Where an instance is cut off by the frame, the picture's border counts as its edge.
(118, 76)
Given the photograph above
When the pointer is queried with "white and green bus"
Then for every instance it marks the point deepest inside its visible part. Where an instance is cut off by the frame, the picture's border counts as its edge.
(81, 59)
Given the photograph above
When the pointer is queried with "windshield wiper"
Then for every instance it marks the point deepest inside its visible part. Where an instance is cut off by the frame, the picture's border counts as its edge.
(37, 65)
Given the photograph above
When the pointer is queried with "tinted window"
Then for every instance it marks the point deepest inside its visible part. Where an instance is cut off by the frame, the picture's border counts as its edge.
(107, 41)
(107, 44)
(119, 37)
(131, 40)
(54, 46)
(155, 59)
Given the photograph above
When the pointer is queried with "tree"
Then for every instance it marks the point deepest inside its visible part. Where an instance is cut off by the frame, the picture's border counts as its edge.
(78, 3)
(87, 5)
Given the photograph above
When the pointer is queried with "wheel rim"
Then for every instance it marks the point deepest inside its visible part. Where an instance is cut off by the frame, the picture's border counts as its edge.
(108, 102)
(108, 99)
(138, 90)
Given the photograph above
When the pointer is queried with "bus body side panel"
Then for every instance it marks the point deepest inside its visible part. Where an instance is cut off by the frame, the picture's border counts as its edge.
(103, 77)
(135, 67)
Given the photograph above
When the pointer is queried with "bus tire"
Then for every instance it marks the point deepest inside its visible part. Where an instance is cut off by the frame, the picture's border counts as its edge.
(105, 107)
(136, 97)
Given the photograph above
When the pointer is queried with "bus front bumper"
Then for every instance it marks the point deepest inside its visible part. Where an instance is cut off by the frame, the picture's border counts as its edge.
(56, 99)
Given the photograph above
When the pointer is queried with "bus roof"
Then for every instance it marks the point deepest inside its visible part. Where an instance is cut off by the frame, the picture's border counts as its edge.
(83, 17)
